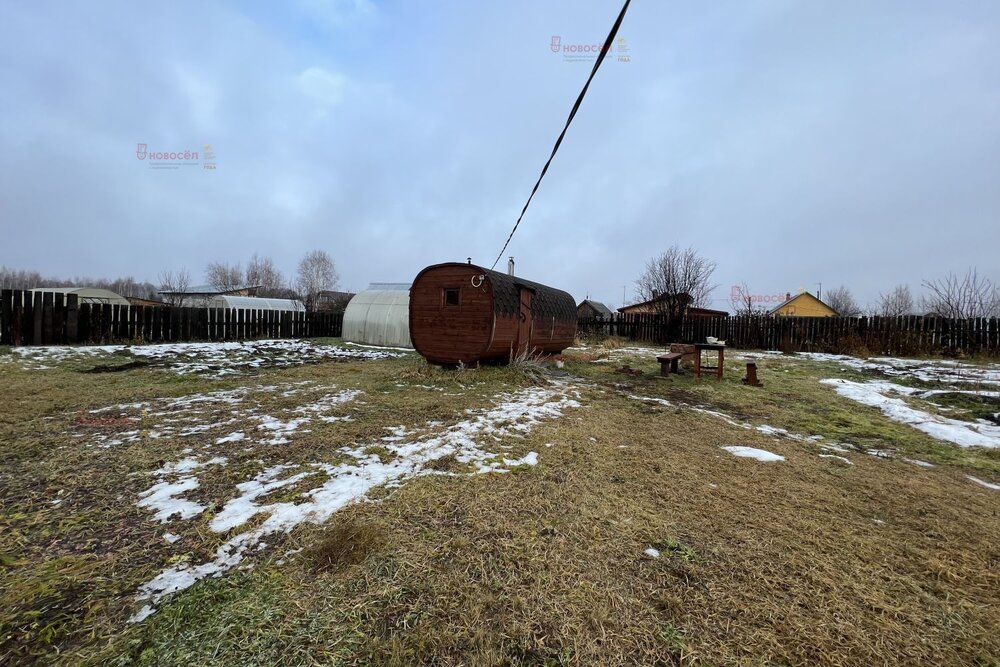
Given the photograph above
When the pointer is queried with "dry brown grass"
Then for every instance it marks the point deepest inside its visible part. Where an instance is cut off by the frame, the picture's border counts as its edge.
(778, 563)
(343, 543)
(807, 561)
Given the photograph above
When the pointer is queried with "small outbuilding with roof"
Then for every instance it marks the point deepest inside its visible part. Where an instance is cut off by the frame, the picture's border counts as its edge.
(588, 309)
(463, 313)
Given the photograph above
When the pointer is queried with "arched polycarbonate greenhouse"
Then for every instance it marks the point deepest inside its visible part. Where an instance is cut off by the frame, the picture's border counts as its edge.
(379, 317)
(250, 302)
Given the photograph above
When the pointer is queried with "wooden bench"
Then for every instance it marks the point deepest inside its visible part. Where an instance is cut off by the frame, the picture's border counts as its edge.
(669, 362)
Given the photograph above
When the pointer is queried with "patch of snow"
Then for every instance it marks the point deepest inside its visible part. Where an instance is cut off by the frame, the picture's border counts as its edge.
(773, 431)
(170, 538)
(468, 441)
(922, 464)
(880, 453)
(529, 459)
(988, 485)
(164, 496)
(380, 347)
(753, 453)
(876, 394)
(650, 399)
(839, 458)
(970, 392)
(280, 428)
(329, 401)
(652, 553)
(215, 359)
(926, 370)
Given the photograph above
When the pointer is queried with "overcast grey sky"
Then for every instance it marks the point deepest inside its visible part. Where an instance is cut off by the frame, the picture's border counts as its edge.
(791, 142)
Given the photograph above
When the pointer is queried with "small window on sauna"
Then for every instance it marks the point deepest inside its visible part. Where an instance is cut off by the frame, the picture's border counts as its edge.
(451, 297)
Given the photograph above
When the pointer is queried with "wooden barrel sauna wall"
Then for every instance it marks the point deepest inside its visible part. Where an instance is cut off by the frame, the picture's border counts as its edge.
(466, 313)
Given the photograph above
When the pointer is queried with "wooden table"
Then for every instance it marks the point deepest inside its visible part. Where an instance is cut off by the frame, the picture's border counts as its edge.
(698, 348)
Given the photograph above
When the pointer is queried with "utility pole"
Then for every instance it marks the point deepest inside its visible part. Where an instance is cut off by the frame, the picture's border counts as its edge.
(623, 296)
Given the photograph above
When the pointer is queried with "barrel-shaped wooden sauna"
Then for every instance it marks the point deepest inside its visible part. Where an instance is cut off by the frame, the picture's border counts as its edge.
(465, 313)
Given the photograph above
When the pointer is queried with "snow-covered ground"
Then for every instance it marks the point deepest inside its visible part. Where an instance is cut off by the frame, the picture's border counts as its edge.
(753, 453)
(227, 417)
(212, 359)
(926, 370)
(476, 442)
(766, 429)
(887, 397)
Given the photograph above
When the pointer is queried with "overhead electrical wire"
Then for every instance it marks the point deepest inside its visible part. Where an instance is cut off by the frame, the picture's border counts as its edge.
(572, 113)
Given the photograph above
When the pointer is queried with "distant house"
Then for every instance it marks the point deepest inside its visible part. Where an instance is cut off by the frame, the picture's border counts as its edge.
(656, 305)
(205, 291)
(329, 301)
(590, 310)
(803, 304)
(139, 301)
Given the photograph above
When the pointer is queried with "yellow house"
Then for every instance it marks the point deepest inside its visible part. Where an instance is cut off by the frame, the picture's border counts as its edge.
(804, 304)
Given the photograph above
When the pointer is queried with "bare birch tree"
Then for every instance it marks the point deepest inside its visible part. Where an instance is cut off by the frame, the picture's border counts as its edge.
(842, 301)
(896, 303)
(316, 274)
(177, 283)
(262, 272)
(224, 277)
(674, 280)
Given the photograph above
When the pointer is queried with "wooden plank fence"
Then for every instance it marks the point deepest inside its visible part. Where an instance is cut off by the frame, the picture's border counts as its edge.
(906, 335)
(28, 318)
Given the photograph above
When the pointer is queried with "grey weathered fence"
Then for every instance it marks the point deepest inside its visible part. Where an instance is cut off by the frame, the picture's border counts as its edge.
(47, 318)
(877, 335)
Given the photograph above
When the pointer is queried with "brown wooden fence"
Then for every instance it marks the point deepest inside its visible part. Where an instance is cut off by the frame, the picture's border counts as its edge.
(46, 318)
(876, 335)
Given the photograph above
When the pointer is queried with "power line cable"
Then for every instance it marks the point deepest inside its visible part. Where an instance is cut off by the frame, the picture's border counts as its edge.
(572, 113)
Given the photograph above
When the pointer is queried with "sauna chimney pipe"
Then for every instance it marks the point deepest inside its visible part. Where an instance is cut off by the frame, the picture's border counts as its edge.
(510, 266)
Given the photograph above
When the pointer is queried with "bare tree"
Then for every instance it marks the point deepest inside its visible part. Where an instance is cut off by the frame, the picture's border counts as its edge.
(896, 303)
(262, 272)
(177, 283)
(743, 301)
(674, 280)
(316, 273)
(970, 296)
(842, 301)
(224, 277)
